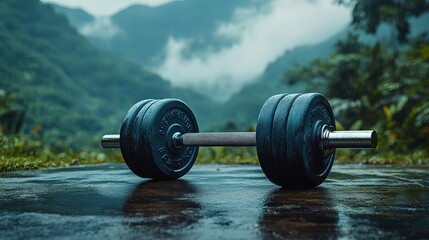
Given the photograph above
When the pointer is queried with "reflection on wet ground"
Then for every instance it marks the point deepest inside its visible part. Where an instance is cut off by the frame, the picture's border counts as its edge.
(214, 202)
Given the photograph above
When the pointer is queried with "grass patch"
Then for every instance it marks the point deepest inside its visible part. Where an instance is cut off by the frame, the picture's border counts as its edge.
(19, 153)
(227, 155)
(416, 157)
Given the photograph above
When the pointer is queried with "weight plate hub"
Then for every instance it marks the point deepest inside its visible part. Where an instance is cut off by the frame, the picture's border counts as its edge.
(162, 119)
(308, 165)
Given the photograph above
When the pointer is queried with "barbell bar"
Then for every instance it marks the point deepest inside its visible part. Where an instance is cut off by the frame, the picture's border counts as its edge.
(328, 139)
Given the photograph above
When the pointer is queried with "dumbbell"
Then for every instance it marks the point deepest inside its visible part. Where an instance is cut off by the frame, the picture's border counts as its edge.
(295, 139)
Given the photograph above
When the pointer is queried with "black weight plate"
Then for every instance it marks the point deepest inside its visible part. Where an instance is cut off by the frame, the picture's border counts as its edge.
(137, 137)
(279, 143)
(263, 136)
(136, 162)
(126, 139)
(161, 121)
(309, 166)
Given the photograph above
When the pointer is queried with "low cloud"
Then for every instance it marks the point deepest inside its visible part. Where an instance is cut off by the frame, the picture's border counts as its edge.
(101, 27)
(260, 36)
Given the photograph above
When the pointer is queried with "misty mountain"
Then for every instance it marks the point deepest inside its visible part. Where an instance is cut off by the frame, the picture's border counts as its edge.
(71, 91)
(142, 32)
(196, 43)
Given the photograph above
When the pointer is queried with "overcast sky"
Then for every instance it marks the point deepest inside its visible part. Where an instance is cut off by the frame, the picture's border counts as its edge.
(105, 7)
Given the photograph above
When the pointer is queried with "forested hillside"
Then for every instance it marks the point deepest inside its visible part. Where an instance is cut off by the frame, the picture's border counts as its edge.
(69, 90)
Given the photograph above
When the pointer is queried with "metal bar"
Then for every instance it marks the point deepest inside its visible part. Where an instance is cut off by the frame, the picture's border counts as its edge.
(217, 139)
(348, 139)
(352, 139)
(110, 141)
(329, 139)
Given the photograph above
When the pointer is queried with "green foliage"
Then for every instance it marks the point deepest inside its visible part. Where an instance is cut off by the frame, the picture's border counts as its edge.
(386, 89)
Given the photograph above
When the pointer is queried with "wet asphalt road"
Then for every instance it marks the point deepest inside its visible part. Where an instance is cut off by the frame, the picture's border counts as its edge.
(213, 202)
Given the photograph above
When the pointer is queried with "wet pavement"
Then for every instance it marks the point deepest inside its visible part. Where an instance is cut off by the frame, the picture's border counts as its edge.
(213, 202)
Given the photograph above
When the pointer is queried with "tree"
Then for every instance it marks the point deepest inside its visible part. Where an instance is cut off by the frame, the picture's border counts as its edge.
(369, 14)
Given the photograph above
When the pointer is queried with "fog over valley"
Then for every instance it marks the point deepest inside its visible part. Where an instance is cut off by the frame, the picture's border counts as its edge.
(215, 48)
